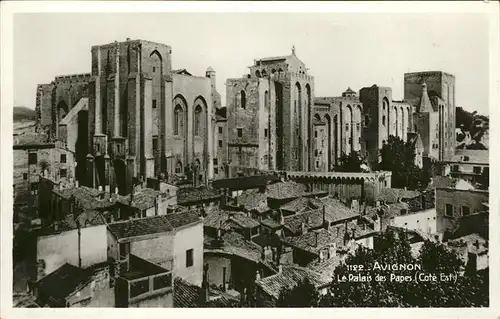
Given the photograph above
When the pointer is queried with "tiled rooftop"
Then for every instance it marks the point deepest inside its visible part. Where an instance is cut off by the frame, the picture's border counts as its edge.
(289, 277)
(187, 295)
(183, 218)
(62, 282)
(393, 195)
(313, 241)
(236, 244)
(140, 227)
(287, 189)
(253, 199)
(88, 198)
(335, 212)
(217, 217)
(142, 199)
(152, 225)
(191, 195)
(302, 204)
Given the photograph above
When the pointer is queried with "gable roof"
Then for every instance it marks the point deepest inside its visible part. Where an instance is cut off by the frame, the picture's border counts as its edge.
(187, 295)
(393, 195)
(192, 195)
(143, 199)
(285, 190)
(217, 217)
(140, 227)
(288, 278)
(62, 283)
(235, 244)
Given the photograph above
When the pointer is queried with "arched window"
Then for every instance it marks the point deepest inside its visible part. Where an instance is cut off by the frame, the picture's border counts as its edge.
(178, 124)
(197, 121)
(178, 167)
(257, 73)
(243, 100)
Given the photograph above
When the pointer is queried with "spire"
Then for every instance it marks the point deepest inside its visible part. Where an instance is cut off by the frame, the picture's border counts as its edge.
(425, 105)
(293, 49)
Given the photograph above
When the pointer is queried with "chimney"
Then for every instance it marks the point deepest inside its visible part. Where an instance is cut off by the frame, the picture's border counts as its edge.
(100, 188)
(280, 269)
(422, 198)
(116, 190)
(353, 232)
(77, 184)
(106, 188)
(282, 218)
(304, 228)
(377, 203)
(257, 275)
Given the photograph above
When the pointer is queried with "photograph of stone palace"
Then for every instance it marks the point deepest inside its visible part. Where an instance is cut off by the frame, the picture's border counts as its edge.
(137, 185)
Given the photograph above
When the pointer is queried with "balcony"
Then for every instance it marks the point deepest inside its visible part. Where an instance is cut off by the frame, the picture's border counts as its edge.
(141, 280)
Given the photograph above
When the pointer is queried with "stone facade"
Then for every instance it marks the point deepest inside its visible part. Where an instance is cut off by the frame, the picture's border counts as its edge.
(435, 124)
(453, 204)
(269, 119)
(383, 117)
(145, 118)
(343, 118)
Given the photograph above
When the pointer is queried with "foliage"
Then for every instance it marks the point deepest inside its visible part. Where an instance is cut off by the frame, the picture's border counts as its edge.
(301, 296)
(435, 258)
(44, 165)
(350, 162)
(399, 158)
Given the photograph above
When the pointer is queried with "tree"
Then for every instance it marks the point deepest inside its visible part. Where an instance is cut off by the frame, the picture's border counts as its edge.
(399, 158)
(303, 295)
(466, 291)
(350, 162)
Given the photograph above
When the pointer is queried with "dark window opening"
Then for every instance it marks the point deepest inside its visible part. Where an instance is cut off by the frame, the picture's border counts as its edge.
(32, 158)
(265, 132)
(25, 176)
(465, 210)
(240, 132)
(154, 69)
(154, 104)
(220, 143)
(63, 173)
(220, 129)
(449, 210)
(63, 158)
(189, 258)
(215, 161)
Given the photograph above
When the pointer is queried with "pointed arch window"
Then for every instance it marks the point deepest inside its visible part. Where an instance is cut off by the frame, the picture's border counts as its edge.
(197, 121)
(178, 120)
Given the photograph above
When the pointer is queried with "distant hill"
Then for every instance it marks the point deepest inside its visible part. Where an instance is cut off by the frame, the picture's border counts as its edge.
(475, 130)
(22, 113)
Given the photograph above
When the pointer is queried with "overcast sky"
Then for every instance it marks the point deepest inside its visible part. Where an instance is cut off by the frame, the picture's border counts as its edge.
(340, 49)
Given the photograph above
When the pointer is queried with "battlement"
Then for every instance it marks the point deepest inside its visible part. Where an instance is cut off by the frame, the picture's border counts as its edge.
(73, 77)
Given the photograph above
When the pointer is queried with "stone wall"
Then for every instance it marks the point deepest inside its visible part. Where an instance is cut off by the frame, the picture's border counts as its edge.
(457, 199)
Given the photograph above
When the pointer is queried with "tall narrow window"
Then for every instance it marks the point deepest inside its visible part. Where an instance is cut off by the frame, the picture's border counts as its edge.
(178, 120)
(63, 158)
(154, 104)
(243, 100)
(189, 258)
(240, 132)
(197, 121)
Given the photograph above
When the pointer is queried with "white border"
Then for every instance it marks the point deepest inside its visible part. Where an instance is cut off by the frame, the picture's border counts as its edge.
(8, 9)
